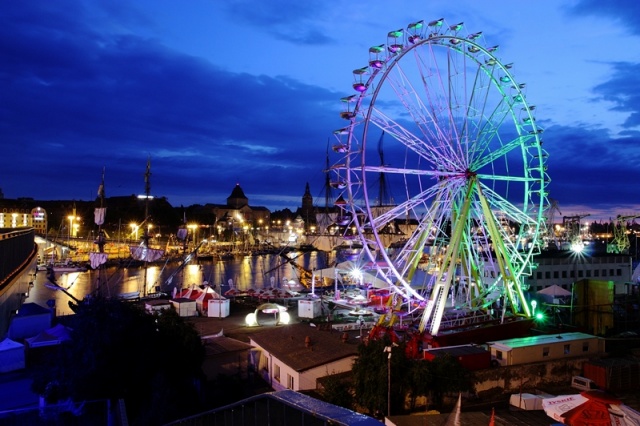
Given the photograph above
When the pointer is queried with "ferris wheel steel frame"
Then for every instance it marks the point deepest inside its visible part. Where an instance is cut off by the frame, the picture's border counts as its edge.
(474, 169)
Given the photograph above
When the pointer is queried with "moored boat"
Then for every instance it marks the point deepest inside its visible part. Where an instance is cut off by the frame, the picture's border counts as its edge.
(62, 267)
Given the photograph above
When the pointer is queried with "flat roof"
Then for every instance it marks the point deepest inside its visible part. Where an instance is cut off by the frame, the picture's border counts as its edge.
(546, 339)
(457, 351)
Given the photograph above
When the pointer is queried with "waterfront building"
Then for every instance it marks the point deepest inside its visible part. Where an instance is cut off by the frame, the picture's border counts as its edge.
(563, 268)
(237, 215)
(23, 213)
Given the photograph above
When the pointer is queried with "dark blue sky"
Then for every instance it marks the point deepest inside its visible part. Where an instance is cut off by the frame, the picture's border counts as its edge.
(219, 93)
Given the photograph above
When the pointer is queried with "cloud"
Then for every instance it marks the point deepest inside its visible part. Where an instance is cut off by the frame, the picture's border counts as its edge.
(625, 12)
(112, 98)
(623, 91)
(295, 22)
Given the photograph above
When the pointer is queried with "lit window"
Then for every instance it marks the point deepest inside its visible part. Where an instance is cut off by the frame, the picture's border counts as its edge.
(276, 372)
(289, 381)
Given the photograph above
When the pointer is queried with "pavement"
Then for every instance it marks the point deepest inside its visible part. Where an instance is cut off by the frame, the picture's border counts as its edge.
(235, 326)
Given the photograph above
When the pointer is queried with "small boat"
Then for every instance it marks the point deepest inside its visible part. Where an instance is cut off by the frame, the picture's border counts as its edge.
(62, 267)
(292, 285)
(132, 295)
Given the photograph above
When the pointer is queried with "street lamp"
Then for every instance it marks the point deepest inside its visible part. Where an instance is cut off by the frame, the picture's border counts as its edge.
(387, 349)
(134, 230)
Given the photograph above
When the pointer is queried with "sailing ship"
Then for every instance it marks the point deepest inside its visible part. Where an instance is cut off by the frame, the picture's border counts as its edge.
(143, 252)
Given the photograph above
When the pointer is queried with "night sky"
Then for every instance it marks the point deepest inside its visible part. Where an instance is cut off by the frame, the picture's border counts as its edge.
(223, 92)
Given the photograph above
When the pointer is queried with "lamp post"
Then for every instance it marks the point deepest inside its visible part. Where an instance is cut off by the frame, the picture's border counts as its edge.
(71, 218)
(387, 349)
(193, 227)
(134, 230)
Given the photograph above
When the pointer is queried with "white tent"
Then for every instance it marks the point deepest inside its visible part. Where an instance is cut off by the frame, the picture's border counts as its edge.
(49, 337)
(346, 268)
(209, 298)
(555, 291)
(11, 356)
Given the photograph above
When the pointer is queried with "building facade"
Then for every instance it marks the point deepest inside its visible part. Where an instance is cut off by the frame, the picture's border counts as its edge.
(564, 268)
(297, 355)
(21, 214)
(237, 216)
(525, 350)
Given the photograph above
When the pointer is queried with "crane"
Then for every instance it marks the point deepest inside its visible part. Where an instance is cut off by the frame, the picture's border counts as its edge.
(571, 225)
(620, 243)
(551, 234)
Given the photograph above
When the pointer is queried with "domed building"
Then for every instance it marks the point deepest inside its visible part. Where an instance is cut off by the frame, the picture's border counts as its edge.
(237, 214)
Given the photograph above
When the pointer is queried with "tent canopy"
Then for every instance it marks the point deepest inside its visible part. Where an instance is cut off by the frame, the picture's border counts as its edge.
(52, 336)
(555, 290)
(582, 409)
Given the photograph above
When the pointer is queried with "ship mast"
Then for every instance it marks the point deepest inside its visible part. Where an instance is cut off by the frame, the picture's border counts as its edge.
(145, 231)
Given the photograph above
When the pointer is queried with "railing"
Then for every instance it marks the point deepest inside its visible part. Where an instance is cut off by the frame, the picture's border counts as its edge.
(17, 248)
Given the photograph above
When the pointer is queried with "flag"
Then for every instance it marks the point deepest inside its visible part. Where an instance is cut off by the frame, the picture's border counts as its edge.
(99, 214)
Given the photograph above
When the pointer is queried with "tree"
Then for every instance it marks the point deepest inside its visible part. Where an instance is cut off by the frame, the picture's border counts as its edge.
(337, 390)
(448, 376)
(118, 350)
(420, 377)
(371, 375)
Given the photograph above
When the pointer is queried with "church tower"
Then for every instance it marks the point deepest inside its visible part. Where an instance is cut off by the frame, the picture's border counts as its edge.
(237, 199)
(307, 211)
(307, 200)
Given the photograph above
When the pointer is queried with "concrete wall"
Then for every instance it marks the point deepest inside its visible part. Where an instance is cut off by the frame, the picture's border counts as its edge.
(516, 378)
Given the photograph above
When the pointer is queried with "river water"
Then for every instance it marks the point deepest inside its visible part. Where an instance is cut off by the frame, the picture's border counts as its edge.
(261, 271)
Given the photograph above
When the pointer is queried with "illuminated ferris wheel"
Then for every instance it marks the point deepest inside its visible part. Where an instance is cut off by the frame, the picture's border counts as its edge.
(464, 157)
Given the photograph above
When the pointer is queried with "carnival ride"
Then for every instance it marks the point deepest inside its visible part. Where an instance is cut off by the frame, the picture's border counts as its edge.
(466, 160)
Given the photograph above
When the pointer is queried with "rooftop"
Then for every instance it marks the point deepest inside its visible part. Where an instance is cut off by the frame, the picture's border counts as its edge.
(288, 343)
(519, 342)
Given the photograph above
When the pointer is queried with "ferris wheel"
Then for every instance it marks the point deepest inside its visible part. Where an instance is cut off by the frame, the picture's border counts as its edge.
(464, 157)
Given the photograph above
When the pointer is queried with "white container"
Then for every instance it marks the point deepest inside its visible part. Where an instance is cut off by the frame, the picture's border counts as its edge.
(526, 401)
(218, 308)
(582, 383)
(185, 307)
(309, 308)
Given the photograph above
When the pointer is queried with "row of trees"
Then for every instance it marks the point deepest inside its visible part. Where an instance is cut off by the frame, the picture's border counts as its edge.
(371, 383)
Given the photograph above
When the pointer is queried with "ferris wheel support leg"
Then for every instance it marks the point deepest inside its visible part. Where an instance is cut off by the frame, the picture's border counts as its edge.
(511, 281)
(438, 299)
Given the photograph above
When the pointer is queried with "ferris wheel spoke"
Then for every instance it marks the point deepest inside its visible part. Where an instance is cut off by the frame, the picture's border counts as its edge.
(411, 204)
(491, 157)
(432, 153)
(396, 170)
(426, 116)
(498, 202)
(487, 136)
(506, 178)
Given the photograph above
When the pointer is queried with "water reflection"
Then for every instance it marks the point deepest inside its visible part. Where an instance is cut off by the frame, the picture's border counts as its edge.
(247, 272)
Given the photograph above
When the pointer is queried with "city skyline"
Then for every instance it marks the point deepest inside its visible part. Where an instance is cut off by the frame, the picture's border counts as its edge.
(246, 92)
